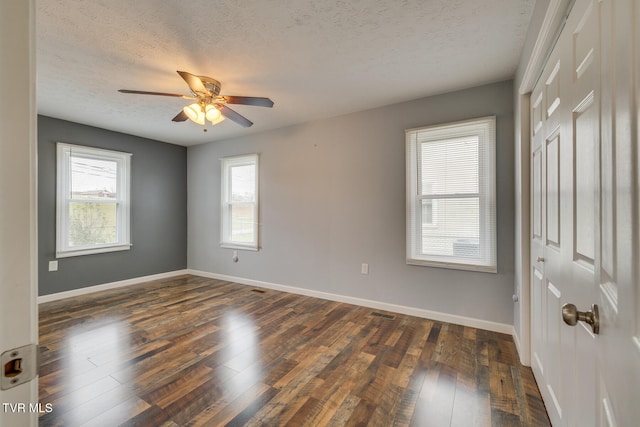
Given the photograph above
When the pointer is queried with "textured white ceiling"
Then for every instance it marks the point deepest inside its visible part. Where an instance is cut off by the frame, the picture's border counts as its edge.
(314, 59)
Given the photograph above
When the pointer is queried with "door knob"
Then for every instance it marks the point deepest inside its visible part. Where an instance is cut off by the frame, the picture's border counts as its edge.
(540, 259)
(571, 316)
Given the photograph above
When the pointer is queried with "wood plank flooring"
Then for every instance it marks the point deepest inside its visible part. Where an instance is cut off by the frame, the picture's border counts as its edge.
(191, 351)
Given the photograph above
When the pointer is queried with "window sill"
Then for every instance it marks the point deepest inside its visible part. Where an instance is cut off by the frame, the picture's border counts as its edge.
(91, 251)
(453, 265)
(239, 247)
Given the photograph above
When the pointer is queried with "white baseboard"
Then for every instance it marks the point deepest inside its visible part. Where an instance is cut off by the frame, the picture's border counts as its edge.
(412, 311)
(106, 286)
(379, 305)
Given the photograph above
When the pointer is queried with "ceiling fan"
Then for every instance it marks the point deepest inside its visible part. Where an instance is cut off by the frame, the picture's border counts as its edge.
(209, 104)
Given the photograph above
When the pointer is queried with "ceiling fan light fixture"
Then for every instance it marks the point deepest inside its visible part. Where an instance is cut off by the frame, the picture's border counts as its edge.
(213, 114)
(209, 105)
(195, 112)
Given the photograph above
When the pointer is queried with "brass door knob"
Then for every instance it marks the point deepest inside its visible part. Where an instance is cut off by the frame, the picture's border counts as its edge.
(571, 316)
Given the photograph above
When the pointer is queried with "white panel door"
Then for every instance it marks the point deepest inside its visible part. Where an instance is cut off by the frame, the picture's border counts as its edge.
(585, 232)
(18, 275)
(550, 236)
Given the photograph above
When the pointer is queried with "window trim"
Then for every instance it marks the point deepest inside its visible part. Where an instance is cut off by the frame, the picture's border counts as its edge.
(485, 127)
(226, 164)
(123, 201)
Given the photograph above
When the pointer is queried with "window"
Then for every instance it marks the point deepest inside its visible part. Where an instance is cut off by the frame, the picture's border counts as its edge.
(451, 218)
(240, 202)
(92, 201)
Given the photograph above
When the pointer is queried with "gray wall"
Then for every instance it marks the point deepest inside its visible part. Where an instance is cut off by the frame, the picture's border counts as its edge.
(158, 209)
(333, 197)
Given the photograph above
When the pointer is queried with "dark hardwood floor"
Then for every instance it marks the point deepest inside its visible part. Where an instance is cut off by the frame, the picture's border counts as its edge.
(190, 351)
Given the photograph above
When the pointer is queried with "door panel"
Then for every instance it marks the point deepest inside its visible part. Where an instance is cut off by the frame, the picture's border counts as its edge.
(536, 217)
(584, 123)
(538, 317)
(552, 95)
(552, 190)
(607, 152)
(585, 403)
(536, 114)
(555, 347)
(584, 39)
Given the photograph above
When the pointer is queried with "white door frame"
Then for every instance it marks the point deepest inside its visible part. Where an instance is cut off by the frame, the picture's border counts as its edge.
(18, 213)
(547, 35)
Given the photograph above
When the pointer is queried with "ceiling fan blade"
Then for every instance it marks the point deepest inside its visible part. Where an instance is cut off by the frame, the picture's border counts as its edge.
(142, 92)
(248, 100)
(233, 116)
(194, 82)
(181, 117)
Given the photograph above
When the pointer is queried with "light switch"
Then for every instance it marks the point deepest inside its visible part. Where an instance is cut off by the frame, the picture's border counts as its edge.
(53, 265)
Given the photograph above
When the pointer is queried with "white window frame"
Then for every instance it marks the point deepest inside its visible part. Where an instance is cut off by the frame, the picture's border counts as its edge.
(226, 204)
(484, 128)
(63, 198)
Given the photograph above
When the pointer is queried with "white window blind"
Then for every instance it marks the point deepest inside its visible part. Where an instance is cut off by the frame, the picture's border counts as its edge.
(239, 216)
(451, 210)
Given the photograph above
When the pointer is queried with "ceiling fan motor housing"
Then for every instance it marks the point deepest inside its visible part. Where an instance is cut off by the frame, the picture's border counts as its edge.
(212, 85)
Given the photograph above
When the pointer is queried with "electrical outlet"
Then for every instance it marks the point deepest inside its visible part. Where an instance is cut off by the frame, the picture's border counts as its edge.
(53, 265)
(364, 269)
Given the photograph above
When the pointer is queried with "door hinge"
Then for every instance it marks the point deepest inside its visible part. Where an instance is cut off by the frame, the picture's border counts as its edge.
(19, 365)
